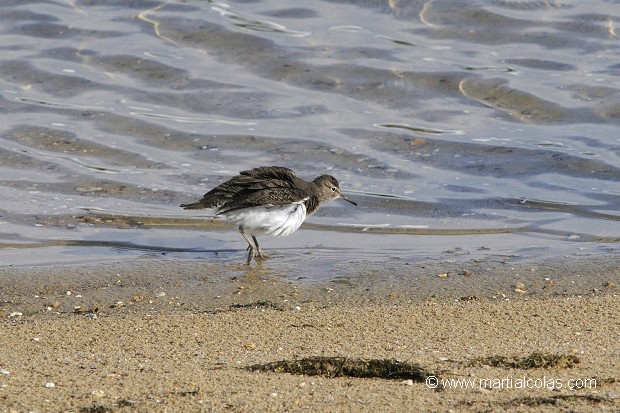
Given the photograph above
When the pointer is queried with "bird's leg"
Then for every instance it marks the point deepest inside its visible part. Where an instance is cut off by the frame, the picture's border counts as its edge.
(252, 249)
(259, 253)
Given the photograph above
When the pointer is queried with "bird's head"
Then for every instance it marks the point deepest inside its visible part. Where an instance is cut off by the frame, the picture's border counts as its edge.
(329, 189)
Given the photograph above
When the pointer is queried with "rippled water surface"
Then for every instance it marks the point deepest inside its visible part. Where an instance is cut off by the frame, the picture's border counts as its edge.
(461, 128)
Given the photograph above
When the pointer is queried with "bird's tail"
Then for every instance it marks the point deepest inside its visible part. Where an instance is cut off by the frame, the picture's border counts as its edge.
(194, 205)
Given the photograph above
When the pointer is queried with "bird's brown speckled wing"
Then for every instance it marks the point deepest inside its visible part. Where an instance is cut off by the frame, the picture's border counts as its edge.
(259, 186)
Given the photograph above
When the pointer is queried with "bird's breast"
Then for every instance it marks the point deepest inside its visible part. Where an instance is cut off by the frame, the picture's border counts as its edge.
(276, 220)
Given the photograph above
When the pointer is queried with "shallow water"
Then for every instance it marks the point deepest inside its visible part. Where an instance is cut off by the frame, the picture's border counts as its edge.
(485, 127)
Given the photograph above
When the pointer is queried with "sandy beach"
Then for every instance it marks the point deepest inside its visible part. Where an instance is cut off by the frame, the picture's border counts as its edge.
(181, 344)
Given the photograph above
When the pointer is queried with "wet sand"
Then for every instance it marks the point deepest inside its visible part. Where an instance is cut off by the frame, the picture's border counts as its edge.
(179, 336)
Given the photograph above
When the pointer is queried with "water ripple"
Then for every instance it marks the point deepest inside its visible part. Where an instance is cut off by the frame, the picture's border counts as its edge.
(454, 124)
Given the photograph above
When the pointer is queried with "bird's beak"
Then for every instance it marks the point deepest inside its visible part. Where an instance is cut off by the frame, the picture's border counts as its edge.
(348, 200)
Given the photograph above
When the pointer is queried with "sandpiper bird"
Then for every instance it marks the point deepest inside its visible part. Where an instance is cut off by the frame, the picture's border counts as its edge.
(269, 200)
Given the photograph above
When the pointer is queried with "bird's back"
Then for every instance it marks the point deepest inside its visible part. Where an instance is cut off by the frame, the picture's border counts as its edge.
(260, 186)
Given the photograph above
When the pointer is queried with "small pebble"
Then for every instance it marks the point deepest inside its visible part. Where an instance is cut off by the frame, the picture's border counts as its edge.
(15, 314)
(4, 372)
(161, 294)
(50, 385)
(443, 275)
(407, 382)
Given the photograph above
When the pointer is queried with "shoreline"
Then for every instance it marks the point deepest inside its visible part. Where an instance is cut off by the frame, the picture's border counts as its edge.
(211, 285)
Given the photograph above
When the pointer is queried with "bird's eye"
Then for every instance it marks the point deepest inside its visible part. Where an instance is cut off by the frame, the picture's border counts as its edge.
(333, 189)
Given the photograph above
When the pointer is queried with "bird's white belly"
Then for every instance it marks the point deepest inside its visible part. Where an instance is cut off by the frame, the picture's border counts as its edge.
(273, 220)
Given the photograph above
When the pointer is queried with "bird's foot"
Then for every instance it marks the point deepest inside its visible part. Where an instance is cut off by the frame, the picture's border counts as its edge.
(251, 255)
(261, 255)
(255, 254)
